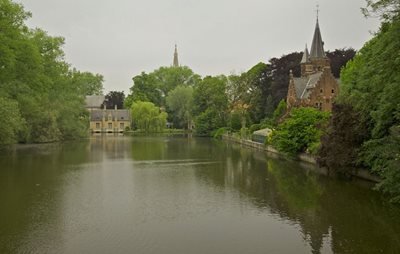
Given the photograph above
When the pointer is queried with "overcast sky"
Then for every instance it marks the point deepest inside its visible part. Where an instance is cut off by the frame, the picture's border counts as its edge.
(121, 38)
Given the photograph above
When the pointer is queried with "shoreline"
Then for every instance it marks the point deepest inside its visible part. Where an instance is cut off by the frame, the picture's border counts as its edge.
(303, 157)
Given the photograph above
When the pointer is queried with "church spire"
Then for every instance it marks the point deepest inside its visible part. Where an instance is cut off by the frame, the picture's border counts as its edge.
(306, 56)
(176, 62)
(317, 46)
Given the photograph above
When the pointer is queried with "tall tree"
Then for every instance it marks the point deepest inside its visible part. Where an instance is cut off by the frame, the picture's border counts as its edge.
(115, 98)
(370, 85)
(37, 83)
(339, 59)
(180, 102)
(88, 83)
(155, 86)
(211, 104)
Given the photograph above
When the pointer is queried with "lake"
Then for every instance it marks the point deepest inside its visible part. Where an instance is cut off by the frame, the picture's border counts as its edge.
(171, 195)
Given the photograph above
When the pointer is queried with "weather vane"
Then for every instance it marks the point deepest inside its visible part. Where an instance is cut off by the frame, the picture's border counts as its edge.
(317, 10)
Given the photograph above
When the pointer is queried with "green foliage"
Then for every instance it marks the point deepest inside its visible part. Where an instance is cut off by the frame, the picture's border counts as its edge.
(342, 140)
(211, 104)
(255, 127)
(383, 157)
(155, 86)
(299, 131)
(245, 133)
(370, 81)
(364, 128)
(386, 9)
(115, 98)
(180, 102)
(38, 83)
(147, 117)
(88, 83)
(218, 133)
(339, 58)
(235, 121)
(252, 88)
(13, 121)
(279, 111)
(207, 122)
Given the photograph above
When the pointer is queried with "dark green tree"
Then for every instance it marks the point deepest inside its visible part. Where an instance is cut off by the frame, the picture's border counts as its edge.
(115, 98)
(211, 104)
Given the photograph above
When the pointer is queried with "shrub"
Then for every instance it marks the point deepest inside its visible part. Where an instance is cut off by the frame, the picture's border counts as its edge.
(299, 131)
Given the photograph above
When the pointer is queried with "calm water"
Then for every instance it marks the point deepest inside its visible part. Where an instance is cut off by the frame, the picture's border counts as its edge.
(179, 195)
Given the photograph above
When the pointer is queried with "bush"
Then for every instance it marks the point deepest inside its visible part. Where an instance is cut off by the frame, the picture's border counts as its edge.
(301, 130)
(235, 121)
(218, 133)
(12, 122)
(255, 127)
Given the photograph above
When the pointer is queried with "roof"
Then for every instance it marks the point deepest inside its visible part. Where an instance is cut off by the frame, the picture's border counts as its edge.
(94, 101)
(263, 132)
(317, 46)
(306, 56)
(304, 85)
(119, 114)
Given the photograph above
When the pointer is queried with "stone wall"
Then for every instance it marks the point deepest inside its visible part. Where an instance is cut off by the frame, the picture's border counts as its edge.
(305, 157)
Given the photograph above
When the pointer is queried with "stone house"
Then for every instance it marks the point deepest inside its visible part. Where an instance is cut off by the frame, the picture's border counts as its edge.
(317, 86)
(104, 120)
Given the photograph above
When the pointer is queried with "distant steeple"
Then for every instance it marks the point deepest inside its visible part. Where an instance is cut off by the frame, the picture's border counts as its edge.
(317, 46)
(306, 56)
(176, 62)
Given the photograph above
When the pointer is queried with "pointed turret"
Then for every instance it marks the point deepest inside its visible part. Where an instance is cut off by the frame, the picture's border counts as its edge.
(306, 56)
(176, 62)
(317, 46)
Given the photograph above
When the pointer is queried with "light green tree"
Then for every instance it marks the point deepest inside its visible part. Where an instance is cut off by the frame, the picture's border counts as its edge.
(302, 130)
(147, 117)
(180, 102)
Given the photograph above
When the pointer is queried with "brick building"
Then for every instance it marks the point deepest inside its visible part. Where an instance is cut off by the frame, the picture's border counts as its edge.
(317, 86)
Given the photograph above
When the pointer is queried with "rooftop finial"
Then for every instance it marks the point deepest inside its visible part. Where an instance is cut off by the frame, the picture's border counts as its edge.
(175, 62)
(317, 11)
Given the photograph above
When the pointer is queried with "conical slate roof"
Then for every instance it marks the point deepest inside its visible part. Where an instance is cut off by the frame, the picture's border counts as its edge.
(317, 47)
(306, 56)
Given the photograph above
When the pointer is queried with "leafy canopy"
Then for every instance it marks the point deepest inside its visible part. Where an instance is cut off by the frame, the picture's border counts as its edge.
(300, 131)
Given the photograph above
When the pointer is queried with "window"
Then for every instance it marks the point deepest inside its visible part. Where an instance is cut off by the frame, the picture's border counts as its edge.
(97, 125)
(109, 125)
(121, 126)
(321, 91)
(333, 90)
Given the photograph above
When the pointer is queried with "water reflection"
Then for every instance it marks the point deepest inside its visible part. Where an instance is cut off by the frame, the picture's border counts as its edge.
(182, 195)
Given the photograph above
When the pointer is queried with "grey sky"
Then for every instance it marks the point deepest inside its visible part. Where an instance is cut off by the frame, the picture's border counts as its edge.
(119, 39)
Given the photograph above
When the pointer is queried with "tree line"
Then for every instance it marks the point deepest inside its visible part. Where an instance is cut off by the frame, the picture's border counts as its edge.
(41, 96)
(364, 130)
(213, 102)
